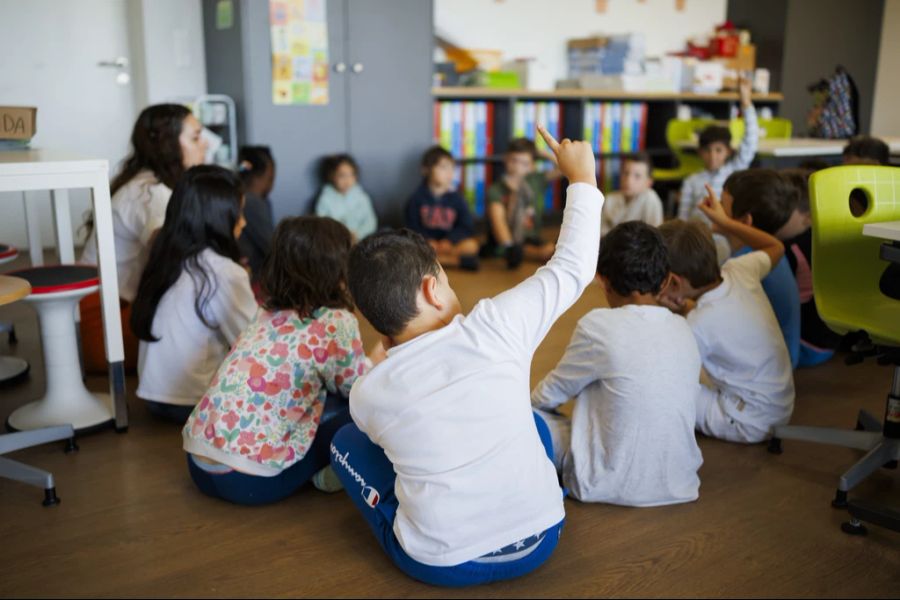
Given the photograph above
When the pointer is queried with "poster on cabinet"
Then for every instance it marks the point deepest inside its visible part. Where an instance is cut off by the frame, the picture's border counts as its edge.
(299, 30)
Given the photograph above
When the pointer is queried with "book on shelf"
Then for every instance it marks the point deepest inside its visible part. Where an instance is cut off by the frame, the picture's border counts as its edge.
(614, 128)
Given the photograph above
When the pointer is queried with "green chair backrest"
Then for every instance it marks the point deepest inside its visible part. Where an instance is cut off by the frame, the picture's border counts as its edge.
(772, 129)
(846, 264)
(684, 131)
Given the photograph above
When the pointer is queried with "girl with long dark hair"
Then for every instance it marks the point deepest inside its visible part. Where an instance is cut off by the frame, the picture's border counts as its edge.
(265, 424)
(166, 141)
(194, 298)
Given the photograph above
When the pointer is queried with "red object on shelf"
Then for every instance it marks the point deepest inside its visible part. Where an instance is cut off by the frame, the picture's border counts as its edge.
(726, 41)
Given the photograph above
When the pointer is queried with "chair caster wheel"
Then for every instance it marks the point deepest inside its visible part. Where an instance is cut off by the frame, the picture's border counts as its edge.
(122, 429)
(775, 446)
(854, 527)
(891, 464)
(50, 497)
(71, 446)
(840, 499)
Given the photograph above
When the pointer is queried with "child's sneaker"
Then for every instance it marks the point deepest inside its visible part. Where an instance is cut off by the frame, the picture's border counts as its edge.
(469, 262)
(326, 480)
(514, 255)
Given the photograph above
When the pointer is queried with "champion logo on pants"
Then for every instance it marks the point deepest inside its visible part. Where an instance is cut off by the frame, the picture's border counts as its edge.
(370, 495)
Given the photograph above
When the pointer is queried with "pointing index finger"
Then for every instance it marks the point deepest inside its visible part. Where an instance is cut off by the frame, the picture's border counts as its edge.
(551, 141)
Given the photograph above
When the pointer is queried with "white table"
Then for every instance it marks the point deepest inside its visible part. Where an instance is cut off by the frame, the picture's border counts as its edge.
(888, 230)
(799, 147)
(40, 169)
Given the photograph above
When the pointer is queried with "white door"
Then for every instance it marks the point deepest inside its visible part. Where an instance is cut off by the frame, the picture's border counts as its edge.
(51, 52)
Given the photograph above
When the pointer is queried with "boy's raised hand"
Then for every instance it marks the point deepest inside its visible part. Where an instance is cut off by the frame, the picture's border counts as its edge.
(745, 90)
(712, 208)
(575, 159)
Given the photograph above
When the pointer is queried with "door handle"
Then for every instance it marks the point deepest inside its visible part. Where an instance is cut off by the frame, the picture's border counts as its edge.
(358, 67)
(340, 67)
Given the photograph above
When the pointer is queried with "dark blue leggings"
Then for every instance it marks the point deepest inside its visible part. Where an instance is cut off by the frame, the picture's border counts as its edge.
(253, 490)
(371, 488)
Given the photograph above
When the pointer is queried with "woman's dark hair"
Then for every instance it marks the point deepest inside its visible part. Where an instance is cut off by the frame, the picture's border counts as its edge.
(155, 146)
(634, 258)
(386, 271)
(868, 148)
(202, 213)
(330, 164)
(307, 266)
(253, 161)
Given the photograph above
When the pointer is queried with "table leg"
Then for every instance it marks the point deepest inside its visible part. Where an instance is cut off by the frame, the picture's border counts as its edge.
(33, 227)
(62, 221)
(109, 298)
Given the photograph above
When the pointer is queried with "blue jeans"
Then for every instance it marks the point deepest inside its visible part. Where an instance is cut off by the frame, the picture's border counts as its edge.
(371, 488)
(176, 413)
(254, 490)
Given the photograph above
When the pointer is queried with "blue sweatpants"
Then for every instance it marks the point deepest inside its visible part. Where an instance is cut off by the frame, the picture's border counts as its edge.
(368, 477)
(253, 490)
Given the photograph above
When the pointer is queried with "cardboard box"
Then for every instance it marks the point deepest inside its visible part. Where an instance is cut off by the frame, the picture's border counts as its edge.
(18, 122)
(743, 62)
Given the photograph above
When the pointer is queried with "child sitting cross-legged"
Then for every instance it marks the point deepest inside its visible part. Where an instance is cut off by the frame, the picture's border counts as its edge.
(445, 459)
(263, 427)
(631, 437)
(746, 363)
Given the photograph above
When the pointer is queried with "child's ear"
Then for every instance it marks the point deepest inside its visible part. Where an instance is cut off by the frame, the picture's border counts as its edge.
(430, 292)
(746, 219)
(806, 217)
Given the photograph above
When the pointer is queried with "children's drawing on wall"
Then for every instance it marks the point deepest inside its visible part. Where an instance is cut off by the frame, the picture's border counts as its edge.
(299, 51)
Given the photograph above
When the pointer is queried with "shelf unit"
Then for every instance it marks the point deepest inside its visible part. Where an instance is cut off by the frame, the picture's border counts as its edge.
(661, 107)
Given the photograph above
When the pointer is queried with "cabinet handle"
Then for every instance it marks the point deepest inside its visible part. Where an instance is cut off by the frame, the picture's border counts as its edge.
(358, 67)
(340, 67)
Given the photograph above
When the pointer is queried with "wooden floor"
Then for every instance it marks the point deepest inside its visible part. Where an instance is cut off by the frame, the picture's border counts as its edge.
(131, 522)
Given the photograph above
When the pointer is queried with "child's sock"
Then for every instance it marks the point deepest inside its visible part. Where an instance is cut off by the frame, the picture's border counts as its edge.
(326, 480)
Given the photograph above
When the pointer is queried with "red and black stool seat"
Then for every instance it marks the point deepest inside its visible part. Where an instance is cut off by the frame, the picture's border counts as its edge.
(59, 278)
(8, 253)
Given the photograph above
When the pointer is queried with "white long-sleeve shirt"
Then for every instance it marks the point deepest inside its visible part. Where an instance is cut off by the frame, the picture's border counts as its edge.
(634, 372)
(451, 410)
(693, 189)
(177, 369)
(139, 209)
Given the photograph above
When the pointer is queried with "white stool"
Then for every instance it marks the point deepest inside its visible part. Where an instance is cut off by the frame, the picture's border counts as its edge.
(10, 366)
(12, 289)
(55, 292)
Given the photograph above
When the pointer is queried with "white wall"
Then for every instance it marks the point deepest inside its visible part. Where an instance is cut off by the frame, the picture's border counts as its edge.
(540, 28)
(886, 109)
(173, 56)
(51, 49)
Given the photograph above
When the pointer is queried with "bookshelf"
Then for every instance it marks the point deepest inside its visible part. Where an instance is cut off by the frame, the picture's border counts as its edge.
(479, 151)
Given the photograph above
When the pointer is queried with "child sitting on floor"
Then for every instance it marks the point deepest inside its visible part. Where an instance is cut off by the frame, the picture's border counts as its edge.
(764, 199)
(343, 198)
(441, 215)
(746, 362)
(194, 297)
(264, 426)
(516, 207)
(631, 437)
(637, 200)
(445, 459)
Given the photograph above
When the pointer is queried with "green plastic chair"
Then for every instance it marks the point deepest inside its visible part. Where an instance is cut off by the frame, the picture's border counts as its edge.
(847, 269)
(770, 129)
(688, 162)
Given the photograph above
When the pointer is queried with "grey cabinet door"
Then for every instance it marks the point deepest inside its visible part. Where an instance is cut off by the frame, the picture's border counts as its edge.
(298, 134)
(389, 42)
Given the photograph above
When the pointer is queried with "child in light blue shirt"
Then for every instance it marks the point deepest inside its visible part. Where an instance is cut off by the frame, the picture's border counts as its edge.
(343, 199)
